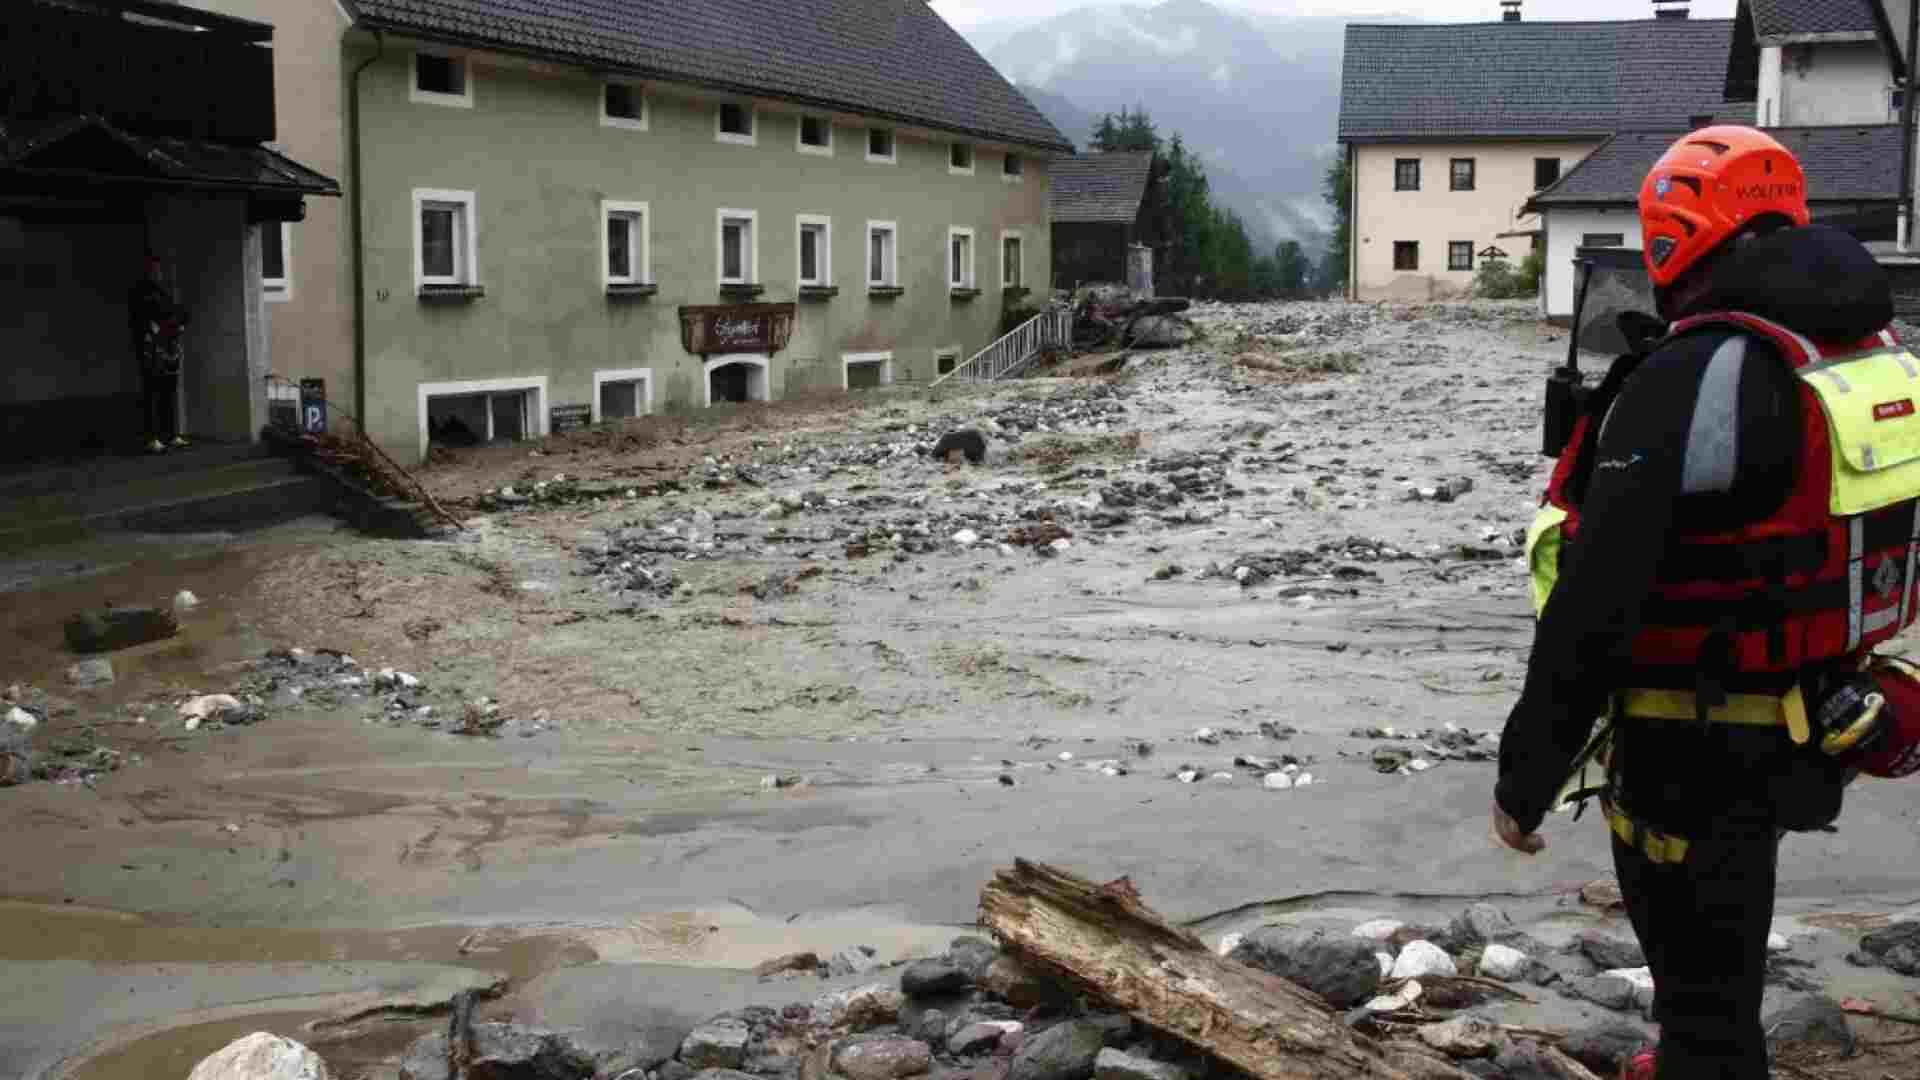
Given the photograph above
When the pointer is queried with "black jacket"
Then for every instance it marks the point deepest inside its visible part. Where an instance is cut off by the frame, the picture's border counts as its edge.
(1660, 470)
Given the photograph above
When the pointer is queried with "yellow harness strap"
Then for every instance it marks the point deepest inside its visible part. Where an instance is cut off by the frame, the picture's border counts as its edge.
(1662, 848)
(1754, 710)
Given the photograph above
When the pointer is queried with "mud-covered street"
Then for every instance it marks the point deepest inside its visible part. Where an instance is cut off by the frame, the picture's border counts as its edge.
(1241, 620)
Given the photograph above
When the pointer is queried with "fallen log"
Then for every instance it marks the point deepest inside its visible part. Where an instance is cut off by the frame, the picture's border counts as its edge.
(1105, 941)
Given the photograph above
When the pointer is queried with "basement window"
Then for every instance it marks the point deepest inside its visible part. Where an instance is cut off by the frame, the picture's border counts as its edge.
(1406, 254)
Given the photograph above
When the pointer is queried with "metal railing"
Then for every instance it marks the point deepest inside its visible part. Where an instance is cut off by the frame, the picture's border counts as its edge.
(1052, 328)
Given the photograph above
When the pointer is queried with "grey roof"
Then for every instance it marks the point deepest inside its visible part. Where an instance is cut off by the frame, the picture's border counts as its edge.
(1530, 79)
(1099, 187)
(892, 59)
(1791, 18)
(1843, 164)
(87, 144)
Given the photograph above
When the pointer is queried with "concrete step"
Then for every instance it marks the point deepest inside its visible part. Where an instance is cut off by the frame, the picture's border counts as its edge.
(113, 470)
(244, 493)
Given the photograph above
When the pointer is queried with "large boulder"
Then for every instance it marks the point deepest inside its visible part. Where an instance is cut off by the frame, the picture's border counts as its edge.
(881, 1058)
(501, 1052)
(1897, 946)
(1062, 1052)
(717, 1044)
(1159, 332)
(1603, 1047)
(261, 1056)
(1339, 967)
(1811, 1018)
(931, 978)
(119, 628)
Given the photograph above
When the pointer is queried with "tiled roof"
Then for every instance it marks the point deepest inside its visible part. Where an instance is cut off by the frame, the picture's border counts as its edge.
(89, 144)
(1789, 18)
(892, 59)
(1843, 164)
(1530, 79)
(1098, 187)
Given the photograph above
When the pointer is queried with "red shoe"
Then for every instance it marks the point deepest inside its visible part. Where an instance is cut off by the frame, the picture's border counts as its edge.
(1639, 1067)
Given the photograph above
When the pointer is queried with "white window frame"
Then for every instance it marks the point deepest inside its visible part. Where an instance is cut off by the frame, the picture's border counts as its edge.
(751, 138)
(752, 360)
(892, 279)
(642, 375)
(884, 359)
(1006, 235)
(462, 100)
(799, 127)
(892, 157)
(466, 256)
(973, 155)
(1013, 178)
(970, 273)
(642, 245)
(535, 386)
(277, 290)
(750, 258)
(629, 123)
(825, 224)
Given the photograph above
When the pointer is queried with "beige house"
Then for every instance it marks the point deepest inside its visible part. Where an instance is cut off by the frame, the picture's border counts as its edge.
(1449, 130)
(666, 206)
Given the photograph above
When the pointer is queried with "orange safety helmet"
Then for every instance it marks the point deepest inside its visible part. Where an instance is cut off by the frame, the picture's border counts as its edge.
(1708, 186)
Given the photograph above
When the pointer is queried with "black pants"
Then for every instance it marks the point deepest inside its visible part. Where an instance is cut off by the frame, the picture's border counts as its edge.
(158, 394)
(1703, 924)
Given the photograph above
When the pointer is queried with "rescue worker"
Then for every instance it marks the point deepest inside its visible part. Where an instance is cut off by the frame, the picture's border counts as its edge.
(1731, 529)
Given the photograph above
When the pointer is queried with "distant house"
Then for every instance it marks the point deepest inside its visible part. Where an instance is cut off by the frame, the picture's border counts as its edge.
(1450, 128)
(1853, 182)
(1099, 207)
(1813, 62)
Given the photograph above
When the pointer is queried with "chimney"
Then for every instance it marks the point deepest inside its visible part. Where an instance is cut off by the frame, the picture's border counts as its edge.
(1511, 10)
(1670, 9)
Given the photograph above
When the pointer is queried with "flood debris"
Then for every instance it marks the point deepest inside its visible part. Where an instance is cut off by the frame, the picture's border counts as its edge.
(113, 628)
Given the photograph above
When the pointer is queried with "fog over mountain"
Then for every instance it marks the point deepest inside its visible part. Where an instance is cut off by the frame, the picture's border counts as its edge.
(1255, 95)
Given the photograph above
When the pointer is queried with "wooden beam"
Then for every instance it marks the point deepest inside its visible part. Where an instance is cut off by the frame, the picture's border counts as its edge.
(1105, 941)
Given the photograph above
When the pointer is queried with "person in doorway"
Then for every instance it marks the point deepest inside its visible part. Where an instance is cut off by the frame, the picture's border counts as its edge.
(157, 323)
(1734, 525)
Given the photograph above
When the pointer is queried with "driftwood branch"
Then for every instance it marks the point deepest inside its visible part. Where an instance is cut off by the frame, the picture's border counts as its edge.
(1104, 940)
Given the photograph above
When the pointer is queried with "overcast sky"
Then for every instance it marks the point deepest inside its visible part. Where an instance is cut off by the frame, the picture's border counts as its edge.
(967, 13)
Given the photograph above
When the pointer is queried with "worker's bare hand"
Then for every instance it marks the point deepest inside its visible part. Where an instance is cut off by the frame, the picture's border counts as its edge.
(1508, 830)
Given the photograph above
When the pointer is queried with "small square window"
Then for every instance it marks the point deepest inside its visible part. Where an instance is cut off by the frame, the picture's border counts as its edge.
(1460, 175)
(736, 123)
(1406, 174)
(879, 144)
(623, 105)
(881, 267)
(439, 74)
(960, 158)
(1013, 166)
(1406, 255)
(1460, 255)
(816, 133)
(1546, 172)
(274, 277)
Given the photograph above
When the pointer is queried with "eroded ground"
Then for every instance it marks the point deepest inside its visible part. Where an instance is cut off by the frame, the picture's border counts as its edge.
(748, 693)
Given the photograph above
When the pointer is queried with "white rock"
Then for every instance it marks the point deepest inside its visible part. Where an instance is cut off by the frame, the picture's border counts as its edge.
(261, 1056)
(966, 538)
(1005, 549)
(1419, 764)
(1775, 942)
(1386, 963)
(1419, 958)
(1188, 776)
(1641, 978)
(1223, 775)
(1277, 781)
(1503, 962)
(1061, 544)
(1289, 768)
(1303, 779)
(1400, 999)
(22, 719)
(184, 600)
(388, 677)
(1377, 929)
(1240, 573)
(1229, 942)
(207, 707)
